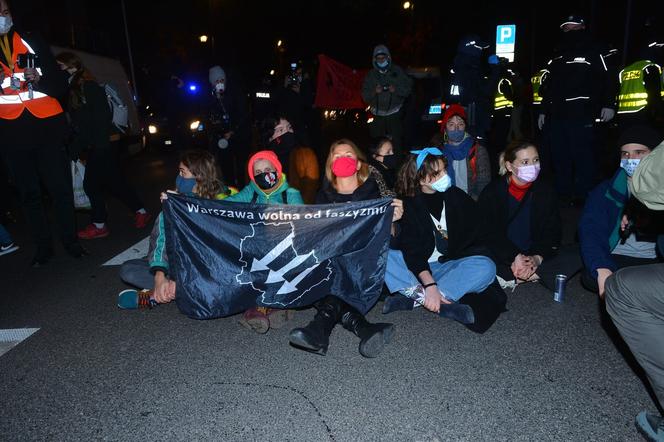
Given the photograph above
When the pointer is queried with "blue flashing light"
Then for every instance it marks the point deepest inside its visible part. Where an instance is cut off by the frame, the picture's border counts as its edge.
(193, 88)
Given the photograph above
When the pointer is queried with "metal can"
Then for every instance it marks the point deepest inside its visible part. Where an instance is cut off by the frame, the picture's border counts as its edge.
(559, 293)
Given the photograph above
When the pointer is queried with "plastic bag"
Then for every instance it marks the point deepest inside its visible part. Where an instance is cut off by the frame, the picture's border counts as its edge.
(81, 200)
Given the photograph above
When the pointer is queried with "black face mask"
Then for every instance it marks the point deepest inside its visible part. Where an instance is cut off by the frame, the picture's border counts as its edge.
(284, 143)
(266, 180)
(390, 161)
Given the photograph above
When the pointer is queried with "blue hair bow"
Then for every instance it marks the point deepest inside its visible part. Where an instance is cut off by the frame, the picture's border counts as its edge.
(423, 153)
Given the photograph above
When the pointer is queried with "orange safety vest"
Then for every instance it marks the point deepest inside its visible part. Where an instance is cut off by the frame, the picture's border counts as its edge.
(14, 101)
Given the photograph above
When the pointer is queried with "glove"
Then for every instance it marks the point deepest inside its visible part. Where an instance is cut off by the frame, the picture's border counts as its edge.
(540, 121)
(607, 114)
(493, 59)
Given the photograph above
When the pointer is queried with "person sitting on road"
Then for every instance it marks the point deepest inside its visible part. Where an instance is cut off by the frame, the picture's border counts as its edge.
(522, 222)
(347, 179)
(384, 161)
(608, 243)
(301, 161)
(439, 265)
(197, 175)
(468, 165)
(268, 185)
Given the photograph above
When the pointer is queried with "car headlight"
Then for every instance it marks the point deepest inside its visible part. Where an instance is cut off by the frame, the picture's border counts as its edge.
(194, 125)
(152, 129)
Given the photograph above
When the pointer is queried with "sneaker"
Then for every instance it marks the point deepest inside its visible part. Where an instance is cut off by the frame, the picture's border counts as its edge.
(650, 426)
(279, 317)
(132, 299)
(92, 232)
(8, 248)
(142, 219)
(256, 319)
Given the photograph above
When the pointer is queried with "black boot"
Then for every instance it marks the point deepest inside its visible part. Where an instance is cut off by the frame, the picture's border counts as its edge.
(315, 336)
(373, 337)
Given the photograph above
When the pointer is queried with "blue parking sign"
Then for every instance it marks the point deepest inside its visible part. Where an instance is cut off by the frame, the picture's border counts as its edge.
(505, 41)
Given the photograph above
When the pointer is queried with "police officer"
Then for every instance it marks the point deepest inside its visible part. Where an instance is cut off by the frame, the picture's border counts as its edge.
(32, 129)
(577, 92)
(642, 84)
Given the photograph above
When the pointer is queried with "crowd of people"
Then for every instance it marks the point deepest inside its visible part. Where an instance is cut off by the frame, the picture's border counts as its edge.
(444, 255)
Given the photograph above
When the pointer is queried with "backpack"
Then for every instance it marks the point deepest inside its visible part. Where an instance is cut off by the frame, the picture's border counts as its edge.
(119, 110)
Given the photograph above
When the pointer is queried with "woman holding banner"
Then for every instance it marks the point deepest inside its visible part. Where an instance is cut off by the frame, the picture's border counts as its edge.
(347, 179)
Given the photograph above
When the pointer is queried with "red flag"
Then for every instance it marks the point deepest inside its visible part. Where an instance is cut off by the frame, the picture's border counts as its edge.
(338, 86)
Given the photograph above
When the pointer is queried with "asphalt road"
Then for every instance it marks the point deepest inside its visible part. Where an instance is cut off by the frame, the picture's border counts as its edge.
(545, 371)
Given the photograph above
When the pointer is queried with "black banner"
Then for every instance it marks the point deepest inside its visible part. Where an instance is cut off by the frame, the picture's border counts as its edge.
(227, 257)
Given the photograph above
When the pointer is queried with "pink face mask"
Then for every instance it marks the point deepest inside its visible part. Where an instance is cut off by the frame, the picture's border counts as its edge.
(344, 167)
(528, 173)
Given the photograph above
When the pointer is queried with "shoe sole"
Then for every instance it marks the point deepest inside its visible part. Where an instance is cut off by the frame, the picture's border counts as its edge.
(128, 299)
(298, 339)
(640, 427)
(9, 250)
(103, 235)
(373, 346)
(258, 326)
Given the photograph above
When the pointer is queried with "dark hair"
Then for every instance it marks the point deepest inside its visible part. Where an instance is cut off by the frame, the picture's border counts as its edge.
(374, 147)
(409, 176)
(76, 93)
(203, 166)
(509, 154)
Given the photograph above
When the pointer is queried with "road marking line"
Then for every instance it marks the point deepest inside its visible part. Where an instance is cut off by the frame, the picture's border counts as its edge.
(137, 251)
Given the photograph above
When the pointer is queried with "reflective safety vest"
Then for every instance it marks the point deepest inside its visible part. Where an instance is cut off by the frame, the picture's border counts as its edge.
(14, 101)
(501, 101)
(537, 80)
(633, 95)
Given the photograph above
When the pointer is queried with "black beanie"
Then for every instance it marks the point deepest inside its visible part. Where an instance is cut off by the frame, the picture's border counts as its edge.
(640, 134)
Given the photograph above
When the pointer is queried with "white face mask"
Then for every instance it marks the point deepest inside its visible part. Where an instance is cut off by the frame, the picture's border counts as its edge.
(5, 24)
(219, 87)
(442, 184)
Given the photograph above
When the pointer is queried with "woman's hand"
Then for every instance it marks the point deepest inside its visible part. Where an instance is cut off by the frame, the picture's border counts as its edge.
(398, 209)
(623, 223)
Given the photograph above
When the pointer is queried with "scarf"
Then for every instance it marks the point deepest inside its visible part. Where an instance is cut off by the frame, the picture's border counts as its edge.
(518, 192)
(458, 152)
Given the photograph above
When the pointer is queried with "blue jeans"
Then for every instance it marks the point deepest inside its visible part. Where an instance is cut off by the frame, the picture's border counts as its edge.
(455, 277)
(5, 238)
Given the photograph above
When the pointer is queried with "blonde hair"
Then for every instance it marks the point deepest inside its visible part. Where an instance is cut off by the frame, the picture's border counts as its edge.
(362, 174)
(509, 154)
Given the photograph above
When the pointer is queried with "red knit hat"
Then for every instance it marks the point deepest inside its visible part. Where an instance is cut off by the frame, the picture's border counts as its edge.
(264, 155)
(455, 109)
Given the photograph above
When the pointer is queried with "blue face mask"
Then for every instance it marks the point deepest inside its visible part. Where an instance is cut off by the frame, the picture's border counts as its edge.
(442, 184)
(185, 185)
(630, 165)
(455, 136)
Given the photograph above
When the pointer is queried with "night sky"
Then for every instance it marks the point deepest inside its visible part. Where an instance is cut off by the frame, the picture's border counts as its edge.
(164, 35)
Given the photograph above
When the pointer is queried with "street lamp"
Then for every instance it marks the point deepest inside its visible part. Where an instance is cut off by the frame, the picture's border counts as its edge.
(407, 5)
(279, 43)
(203, 38)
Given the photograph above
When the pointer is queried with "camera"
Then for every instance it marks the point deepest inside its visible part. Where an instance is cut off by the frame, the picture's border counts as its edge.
(293, 77)
(27, 60)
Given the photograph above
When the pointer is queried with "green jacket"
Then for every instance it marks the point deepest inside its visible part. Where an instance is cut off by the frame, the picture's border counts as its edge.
(284, 194)
(386, 103)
